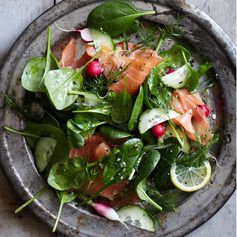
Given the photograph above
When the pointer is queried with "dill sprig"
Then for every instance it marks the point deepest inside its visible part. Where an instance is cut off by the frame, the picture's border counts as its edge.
(146, 35)
(97, 85)
(168, 31)
(114, 75)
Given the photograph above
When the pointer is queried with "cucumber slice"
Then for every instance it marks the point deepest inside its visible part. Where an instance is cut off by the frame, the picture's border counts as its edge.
(176, 79)
(101, 39)
(43, 152)
(136, 216)
(155, 116)
(169, 133)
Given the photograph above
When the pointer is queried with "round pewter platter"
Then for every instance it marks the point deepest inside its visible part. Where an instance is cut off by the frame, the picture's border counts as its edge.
(16, 158)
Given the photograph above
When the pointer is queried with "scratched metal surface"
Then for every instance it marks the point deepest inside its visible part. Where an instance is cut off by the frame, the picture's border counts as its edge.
(42, 231)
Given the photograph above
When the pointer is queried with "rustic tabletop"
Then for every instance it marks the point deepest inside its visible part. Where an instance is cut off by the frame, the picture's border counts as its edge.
(15, 16)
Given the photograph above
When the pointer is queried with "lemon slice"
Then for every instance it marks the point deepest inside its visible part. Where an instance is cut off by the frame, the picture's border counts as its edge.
(189, 179)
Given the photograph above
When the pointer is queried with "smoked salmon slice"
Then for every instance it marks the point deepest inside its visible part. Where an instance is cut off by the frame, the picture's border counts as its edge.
(68, 54)
(139, 64)
(192, 119)
(94, 149)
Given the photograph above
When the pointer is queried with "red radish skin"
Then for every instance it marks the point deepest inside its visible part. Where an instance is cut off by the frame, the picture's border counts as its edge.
(158, 130)
(205, 109)
(94, 69)
(170, 71)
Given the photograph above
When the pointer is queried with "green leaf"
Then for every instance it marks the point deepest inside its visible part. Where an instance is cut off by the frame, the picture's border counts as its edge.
(111, 170)
(33, 73)
(34, 131)
(33, 76)
(137, 108)
(100, 109)
(192, 81)
(121, 108)
(147, 165)
(114, 17)
(142, 194)
(120, 163)
(81, 127)
(86, 121)
(64, 197)
(157, 95)
(203, 68)
(174, 57)
(168, 156)
(113, 133)
(74, 137)
(43, 152)
(67, 174)
(59, 83)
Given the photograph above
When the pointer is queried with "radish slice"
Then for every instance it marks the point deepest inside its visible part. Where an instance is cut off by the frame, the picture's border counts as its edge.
(85, 33)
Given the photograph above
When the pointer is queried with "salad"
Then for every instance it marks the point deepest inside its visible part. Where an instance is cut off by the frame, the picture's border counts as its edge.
(122, 128)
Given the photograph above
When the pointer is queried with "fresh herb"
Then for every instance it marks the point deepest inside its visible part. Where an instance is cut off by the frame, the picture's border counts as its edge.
(147, 36)
(59, 83)
(43, 151)
(113, 133)
(98, 85)
(82, 126)
(35, 131)
(34, 73)
(67, 174)
(104, 108)
(114, 17)
(168, 199)
(156, 93)
(147, 165)
(122, 107)
(120, 163)
(168, 157)
(30, 200)
(114, 75)
(64, 197)
(167, 32)
(198, 155)
(137, 108)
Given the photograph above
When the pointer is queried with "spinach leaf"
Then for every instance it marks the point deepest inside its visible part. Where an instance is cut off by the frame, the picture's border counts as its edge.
(168, 157)
(100, 109)
(36, 68)
(167, 199)
(34, 131)
(67, 174)
(157, 94)
(64, 197)
(33, 73)
(193, 80)
(147, 165)
(121, 108)
(120, 163)
(174, 57)
(74, 137)
(83, 126)
(203, 68)
(59, 83)
(111, 168)
(43, 152)
(113, 133)
(86, 121)
(114, 17)
(137, 108)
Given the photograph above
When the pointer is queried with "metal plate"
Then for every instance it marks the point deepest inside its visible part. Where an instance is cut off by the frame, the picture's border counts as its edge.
(17, 160)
